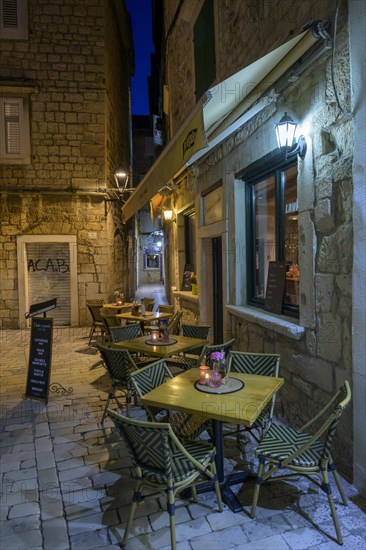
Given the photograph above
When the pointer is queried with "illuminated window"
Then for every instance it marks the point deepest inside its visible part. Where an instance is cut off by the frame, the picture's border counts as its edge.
(151, 261)
(272, 231)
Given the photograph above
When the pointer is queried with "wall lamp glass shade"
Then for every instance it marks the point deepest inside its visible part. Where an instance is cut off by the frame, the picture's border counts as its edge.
(285, 133)
(168, 215)
(120, 173)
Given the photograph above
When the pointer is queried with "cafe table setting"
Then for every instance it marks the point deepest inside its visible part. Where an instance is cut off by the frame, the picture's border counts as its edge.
(239, 400)
(151, 345)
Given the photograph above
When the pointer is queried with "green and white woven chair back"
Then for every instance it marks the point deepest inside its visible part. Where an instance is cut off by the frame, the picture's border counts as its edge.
(148, 378)
(254, 363)
(127, 332)
(208, 350)
(341, 403)
(148, 444)
(196, 331)
(118, 363)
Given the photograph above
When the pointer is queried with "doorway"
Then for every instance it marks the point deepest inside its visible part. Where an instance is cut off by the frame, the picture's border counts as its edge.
(47, 269)
(217, 295)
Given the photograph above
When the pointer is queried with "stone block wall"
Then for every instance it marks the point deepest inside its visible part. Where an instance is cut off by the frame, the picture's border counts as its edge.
(245, 30)
(74, 72)
(316, 363)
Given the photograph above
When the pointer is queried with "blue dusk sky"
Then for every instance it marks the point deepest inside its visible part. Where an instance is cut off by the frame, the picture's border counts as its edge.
(140, 11)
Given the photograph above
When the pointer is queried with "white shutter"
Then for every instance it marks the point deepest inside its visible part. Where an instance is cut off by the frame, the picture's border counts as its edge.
(12, 128)
(13, 19)
(9, 14)
(48, 266)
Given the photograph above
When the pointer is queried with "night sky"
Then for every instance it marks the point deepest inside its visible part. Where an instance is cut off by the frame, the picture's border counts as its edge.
(140, 11)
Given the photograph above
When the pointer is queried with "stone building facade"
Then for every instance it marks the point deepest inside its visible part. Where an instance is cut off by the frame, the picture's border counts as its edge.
(322, 346)
(66, 69)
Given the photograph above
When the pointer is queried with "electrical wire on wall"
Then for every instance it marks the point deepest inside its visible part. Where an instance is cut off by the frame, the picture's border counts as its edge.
(344, 113)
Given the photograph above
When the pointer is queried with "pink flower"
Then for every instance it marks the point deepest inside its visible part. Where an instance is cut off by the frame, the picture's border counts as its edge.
(217, 356)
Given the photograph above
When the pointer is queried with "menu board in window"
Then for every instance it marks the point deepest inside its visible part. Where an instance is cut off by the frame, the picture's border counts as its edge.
(275, 286)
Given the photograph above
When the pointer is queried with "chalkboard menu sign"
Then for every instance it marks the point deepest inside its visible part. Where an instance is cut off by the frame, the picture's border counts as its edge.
(39, 366)
(275, 286)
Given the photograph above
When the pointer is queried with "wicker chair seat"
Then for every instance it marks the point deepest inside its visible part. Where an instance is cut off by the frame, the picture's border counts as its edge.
(181, 465)
(281, 441)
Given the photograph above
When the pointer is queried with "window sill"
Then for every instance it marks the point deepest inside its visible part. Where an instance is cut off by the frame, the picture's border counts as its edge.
(286, 326)
(186, 295)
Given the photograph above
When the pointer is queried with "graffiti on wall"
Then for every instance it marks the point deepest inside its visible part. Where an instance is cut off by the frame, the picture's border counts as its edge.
(54, 265)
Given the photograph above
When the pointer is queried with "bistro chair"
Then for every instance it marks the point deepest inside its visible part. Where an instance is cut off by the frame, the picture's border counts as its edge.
(94, 307)
(208, 350)
(191, 358)
(162, 308)
(165, 308)
(128, 332)
(263, 364)
(174, 323)
(303, 453)
(186, 426)
(109, 320)
(119, 365)
(148, 303)
(196, 331)
(163, 464)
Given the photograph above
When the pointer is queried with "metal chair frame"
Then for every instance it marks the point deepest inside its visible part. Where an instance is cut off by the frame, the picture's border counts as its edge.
(163, 464)
(120, 366)
(304, 454)
(186, 426)
(264, 364)
(94, 307)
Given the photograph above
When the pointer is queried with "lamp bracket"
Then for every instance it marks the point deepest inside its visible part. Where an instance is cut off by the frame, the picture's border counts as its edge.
(300, 149)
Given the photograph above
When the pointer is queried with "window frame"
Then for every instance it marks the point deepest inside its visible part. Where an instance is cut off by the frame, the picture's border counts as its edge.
(204, 53)
(275, 165)
(190, 252)
(20, 32)
(23, 157)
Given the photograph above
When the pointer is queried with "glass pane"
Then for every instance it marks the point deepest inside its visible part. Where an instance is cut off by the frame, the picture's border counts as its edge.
(291, 237)
(265, 233)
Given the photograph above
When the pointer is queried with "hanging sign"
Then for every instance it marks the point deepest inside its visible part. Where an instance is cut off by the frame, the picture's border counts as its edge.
(39, 365)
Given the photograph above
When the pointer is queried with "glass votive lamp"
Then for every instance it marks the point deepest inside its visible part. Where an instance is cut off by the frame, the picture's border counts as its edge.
(154, 335)
(204, 375)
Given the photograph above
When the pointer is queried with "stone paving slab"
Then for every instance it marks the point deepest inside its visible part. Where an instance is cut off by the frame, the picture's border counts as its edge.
(66, 480)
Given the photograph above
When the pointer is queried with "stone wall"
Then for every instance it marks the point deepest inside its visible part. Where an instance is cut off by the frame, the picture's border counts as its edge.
(247, 30)
(316, 354)
(73, 70)
(43, 215)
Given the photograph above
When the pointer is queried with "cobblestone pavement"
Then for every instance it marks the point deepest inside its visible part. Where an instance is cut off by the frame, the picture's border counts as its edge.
(66, 481)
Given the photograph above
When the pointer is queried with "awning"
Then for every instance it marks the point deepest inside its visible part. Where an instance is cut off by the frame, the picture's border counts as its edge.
(215, 115)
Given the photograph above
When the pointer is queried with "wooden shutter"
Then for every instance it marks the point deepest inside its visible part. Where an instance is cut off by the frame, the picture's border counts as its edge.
(13, 19)
(12, 128)
(9, 14)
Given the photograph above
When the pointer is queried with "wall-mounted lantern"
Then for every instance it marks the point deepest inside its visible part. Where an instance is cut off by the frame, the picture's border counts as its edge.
(285, 133)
